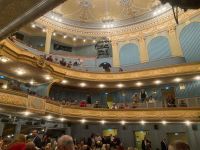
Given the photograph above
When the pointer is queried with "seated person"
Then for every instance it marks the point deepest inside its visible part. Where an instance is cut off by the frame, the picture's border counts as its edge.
(96, 105)
(82, 103)
(75, 63)
(69, 65)
(49, 58)
(182, 103)
(120, 69)
(151, 99)
(135, 98)
(114, 106)
(63, 62)
(170, 101)
(143, 95)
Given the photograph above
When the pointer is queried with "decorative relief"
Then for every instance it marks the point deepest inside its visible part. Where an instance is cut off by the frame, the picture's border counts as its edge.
(36, 103)
(41, 62)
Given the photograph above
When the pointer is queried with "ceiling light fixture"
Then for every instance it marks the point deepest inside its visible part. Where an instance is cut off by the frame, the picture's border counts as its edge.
(102, 85)
(178, 80)
(164, 122)
(33, 25)
(120, 85)
(188, 123)
(4, 59)
(102, 121)
(82, 84)
(65, 36)
(20, 71)
(32, 82)
(84, 40)
(48, 77)
(158, 82)
(123, 122)
(27, 113)
(62, 119)
(64, 81)
(142, 122)
(49, 117)
(54, 34)
(74, 38)
(139, 83)
(94, 41)
(197, 78)
(5, 86)
(83, 121)
(44, 30)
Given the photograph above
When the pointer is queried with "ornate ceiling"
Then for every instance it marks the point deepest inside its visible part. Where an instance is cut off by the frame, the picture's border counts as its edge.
(104, 13)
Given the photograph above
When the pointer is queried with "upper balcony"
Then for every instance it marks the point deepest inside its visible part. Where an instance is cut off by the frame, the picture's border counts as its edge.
(16, 102)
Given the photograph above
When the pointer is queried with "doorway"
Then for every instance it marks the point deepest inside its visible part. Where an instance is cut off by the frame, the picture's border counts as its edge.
(139, 136)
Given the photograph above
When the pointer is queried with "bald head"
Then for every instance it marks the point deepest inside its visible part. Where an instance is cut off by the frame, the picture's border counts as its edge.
(65, 142)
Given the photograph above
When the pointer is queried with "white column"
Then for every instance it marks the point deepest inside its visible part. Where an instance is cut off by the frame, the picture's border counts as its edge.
(48, 40)
(115, 54)
(174, 43)
(144, 56)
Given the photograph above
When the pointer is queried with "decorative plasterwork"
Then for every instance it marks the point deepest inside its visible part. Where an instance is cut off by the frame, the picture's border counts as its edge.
(41, 106)
(150, 27)
(10, 50)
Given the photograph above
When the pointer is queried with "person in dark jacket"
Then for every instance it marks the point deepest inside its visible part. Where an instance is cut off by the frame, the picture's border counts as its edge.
(164, 145)
(36, 139)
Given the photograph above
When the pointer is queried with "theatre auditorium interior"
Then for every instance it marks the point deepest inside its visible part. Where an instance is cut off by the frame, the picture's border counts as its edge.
(99, 74)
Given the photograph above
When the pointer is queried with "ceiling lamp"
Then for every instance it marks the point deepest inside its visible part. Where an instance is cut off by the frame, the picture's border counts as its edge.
(139, 83)
(123, 122)
(83, 121)
(48, 77)
(94, 41)
(82, 84)
(44, 30)
(102, 122)
(4, 59)
(64, 81)
(164, 122)
(49, 117)
(74, 38)
(5, 86)
(62, 119)
(32, 82)
(102, 85)
(84, 40)
(26, 113)
(20, 71)
(65, 36)
(54, 34)
(120, 85)
(188, 123)
(158, 82)
(197, 78)
(178, 80)
(142, 122)
(33, 25)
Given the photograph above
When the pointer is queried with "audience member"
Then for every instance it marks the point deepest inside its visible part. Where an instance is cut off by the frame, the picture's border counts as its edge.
(164, 144)
(36, 139)
(146, 144)
(65, 142)
(143, 95)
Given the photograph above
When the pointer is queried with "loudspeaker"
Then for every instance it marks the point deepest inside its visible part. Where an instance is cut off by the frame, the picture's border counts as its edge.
(156, 127)
(194, 127)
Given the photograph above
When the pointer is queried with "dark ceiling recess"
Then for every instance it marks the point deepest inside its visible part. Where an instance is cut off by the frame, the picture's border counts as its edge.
(183, 4)
(15, 13)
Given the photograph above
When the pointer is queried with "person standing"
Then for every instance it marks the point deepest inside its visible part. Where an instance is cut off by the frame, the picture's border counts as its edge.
(143, 95)
(146, 144)
(164, 145)
(36, 139)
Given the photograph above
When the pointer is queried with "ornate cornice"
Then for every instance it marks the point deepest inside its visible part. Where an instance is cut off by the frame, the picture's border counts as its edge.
(41, 107)
(149, 27)
(9, 49)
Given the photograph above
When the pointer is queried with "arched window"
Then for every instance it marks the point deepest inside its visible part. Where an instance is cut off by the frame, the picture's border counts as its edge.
(158, 48)
(190, 42)
(129, 54)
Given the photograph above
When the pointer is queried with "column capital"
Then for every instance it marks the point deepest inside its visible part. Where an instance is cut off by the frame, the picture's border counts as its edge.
(171, 29)
(49, 30)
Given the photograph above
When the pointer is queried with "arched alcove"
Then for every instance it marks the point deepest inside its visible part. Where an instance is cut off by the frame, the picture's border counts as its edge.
(159, 48)
(129, 54)
(190, 42)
